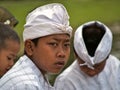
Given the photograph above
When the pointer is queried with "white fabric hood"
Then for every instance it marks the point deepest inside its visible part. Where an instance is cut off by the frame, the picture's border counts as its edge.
(102, 50)
(47, 20)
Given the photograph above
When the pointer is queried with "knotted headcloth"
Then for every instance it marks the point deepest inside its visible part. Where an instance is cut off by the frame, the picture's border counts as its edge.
(102, 50)
(47, 20)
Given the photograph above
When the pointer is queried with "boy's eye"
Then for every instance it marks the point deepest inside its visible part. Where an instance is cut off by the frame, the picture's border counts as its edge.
(53, 44)
(67, 45)
(9, 58)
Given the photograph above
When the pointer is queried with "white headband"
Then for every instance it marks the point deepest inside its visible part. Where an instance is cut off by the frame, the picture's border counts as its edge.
(102, 50)
(47, 20)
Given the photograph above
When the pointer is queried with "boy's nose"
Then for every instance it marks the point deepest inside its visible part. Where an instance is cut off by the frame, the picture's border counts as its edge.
(61, 53)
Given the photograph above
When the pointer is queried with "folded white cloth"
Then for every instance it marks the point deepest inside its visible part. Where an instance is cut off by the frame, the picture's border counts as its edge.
(47, 20)
(102, 50)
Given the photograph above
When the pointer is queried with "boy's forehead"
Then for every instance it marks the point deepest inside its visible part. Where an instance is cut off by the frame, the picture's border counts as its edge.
(57, 36)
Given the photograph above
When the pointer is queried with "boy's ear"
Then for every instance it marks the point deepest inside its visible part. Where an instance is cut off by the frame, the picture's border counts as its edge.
(29, 47)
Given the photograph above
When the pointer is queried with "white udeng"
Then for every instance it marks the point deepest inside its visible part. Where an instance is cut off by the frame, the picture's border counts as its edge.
(102, 50)
(46, 21)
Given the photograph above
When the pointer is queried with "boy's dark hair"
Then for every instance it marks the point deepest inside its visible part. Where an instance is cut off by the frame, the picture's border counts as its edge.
(35, 41)
(92, 35)
(6, 33)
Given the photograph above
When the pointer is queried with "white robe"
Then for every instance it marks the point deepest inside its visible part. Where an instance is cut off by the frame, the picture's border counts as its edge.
(24, 75)
(74, 79)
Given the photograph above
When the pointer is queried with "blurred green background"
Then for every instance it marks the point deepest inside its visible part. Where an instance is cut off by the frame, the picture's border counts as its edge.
(80, 11)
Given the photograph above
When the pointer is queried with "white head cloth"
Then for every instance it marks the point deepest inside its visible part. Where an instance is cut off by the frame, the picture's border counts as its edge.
(102, 50)
(47, 20)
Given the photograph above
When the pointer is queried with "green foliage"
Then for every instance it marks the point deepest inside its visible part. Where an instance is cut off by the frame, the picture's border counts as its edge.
(80, 11)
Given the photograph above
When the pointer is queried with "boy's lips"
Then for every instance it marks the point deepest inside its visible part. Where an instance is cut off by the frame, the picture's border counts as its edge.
(60, 64)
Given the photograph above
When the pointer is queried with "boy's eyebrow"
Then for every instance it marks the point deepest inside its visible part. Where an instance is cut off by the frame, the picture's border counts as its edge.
(59, 39)
(66, 40)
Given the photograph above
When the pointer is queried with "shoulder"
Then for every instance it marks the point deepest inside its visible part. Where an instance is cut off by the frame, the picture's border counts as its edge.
(73, 68)
(66, 77)
(112, 65)
(17, 79)
(113, 60)
(22, 87)
(20, 74)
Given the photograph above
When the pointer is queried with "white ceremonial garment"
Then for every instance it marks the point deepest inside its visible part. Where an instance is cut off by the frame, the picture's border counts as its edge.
(102, 51)
(74, 79)
(46, 20)
(24, 75)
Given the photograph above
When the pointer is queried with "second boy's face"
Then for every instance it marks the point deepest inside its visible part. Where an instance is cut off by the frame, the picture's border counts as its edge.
(52, 53)
(7, 56)
(92, 72)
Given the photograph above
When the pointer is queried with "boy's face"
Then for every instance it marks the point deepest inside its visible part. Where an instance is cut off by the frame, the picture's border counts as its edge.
(92, 72)
(8, 55)
(51, 53)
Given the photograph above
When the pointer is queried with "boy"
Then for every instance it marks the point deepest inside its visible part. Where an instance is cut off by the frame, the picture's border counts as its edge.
(9, 47)
(94, 68)
(47, 47)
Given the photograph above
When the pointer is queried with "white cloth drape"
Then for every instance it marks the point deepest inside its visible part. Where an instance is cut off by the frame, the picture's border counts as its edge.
(46, 20)
(102, 50)
(24, 75)
(74, 79)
